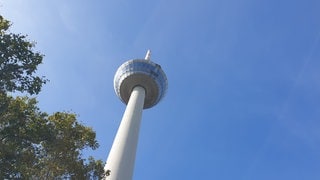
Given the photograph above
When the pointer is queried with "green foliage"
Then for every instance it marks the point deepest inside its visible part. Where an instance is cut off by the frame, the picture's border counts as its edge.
(18, 62)
(4, 25)
(34, 144)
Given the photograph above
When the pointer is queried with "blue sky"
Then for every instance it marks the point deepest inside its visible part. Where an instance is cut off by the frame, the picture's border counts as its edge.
(244, 91)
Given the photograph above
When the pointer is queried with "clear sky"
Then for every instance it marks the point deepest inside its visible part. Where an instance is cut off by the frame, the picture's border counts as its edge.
(244, 80)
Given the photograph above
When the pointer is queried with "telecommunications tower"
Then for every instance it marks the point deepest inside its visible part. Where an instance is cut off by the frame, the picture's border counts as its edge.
(140, 84)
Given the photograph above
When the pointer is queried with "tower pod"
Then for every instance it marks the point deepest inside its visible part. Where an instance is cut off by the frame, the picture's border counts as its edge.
(144, 73)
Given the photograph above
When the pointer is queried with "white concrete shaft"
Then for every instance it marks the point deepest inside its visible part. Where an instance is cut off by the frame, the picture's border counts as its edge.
(120, 162)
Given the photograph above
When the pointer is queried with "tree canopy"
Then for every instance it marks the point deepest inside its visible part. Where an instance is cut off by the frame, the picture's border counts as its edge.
(34, 144)
(18, 62)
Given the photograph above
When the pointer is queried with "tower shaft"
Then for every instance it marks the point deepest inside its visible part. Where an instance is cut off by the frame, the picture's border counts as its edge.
(120, 162)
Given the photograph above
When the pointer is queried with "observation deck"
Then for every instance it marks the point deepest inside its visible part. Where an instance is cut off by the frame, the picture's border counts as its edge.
(144, 73)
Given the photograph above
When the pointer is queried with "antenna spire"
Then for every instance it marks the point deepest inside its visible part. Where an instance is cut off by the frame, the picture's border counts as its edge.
(148, 55)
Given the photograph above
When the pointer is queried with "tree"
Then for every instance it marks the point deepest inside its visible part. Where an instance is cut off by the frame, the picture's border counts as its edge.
(18, 62)
(34, 144)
